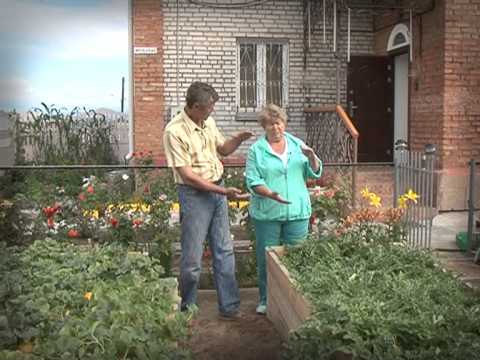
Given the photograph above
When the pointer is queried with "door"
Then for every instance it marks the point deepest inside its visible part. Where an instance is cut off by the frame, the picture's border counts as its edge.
(401, 98)
(370, 105)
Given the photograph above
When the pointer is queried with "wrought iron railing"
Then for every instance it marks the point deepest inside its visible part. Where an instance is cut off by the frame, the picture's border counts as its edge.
(332, 135)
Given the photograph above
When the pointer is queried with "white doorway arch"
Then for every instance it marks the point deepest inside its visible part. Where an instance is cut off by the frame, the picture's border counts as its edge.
(399, 37)
(399, 40)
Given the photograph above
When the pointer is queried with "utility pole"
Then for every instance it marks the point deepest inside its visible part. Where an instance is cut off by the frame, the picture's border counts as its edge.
(122, 100)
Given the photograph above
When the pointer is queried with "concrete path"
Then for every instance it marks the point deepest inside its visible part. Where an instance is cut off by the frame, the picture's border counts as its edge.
(445, 228)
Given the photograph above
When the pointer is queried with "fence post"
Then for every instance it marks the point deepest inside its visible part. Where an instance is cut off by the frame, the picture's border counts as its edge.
(428, 198)
(471, 205)
(400, 147)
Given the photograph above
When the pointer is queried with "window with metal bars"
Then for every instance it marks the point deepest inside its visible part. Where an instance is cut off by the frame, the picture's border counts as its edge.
(262, 74)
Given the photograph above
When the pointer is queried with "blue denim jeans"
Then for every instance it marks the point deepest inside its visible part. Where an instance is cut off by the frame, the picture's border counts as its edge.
(275, 233)
(204, 216)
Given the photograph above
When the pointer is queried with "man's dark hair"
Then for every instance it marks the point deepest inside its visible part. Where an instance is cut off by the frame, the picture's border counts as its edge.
(202, 93)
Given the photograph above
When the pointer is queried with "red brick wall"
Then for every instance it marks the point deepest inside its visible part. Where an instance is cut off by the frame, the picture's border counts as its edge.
(427, 80)
(461, 140)
(148, 107)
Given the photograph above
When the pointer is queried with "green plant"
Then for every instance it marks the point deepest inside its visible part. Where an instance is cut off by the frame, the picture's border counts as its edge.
(374, 297)
(329, 201)
(104, 303)
(62, 137)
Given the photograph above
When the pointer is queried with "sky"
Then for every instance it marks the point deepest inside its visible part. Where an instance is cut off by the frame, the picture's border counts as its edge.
(65, 53)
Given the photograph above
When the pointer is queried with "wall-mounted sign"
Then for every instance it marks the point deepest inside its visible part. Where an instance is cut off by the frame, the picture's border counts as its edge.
(144, 50)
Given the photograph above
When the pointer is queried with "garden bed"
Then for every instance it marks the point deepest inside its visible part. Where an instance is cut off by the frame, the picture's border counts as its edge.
(287, 308)
(361, 296)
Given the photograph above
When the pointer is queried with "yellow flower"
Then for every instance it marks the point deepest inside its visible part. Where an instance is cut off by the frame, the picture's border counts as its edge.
(375, 200)
(175, 207)
(402, 202)
(232, 204)
(88, 295)
(242, 204)
(411, 195)
(93, 214)
(145, 208)
(365, 193)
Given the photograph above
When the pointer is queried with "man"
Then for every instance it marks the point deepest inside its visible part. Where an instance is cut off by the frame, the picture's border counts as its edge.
(192, 145)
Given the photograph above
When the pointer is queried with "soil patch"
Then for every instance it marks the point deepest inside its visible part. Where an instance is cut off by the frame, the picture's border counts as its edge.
(250, 338)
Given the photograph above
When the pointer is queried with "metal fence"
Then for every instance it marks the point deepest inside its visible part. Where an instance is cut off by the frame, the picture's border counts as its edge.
(415, 171)
(472, 233)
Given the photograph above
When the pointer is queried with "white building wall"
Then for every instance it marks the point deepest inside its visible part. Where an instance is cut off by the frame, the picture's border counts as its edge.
(200, 45)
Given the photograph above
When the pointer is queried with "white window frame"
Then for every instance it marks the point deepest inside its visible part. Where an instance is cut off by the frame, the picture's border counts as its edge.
(261, 71)
(398, 29)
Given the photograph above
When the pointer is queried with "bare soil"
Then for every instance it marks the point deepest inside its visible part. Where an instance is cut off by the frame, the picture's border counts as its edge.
(249, 338)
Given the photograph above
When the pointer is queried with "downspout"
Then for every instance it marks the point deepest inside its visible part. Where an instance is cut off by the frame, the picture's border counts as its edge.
(130, 83)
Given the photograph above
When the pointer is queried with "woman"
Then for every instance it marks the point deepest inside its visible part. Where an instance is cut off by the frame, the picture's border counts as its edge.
(278, 166)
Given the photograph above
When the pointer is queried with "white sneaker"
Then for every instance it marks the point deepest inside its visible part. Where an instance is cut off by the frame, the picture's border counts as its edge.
(261, 309)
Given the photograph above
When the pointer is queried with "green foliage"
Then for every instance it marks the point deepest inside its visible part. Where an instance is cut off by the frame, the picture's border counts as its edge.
(60, 137)
(331, 200)
(105, 303)
(8, 228)
(374, 298)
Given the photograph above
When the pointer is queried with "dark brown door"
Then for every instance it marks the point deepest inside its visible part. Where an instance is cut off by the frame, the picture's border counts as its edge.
(370, 105)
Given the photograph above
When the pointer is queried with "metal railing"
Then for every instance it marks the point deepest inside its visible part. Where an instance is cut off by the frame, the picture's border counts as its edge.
(415, 171)
(472, 197)
(332, 135)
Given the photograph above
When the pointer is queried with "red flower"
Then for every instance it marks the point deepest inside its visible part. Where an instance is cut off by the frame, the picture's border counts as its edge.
(136, 223)
(134, 154)
(312, 219)
(90, 189)
(81, 196)
(140, 153)
(114, 222)
(50, 211)
(146, 189)
(73, 233)
(50, 223)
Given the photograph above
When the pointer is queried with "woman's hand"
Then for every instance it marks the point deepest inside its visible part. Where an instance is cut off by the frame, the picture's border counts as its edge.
(312, 157)
(308, 151)
(276, 196)
(262, 190)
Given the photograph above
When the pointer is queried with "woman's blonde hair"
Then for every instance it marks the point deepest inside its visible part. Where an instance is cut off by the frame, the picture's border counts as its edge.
(272, 112)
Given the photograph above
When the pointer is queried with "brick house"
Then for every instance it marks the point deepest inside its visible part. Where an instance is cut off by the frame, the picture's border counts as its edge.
(401, 69)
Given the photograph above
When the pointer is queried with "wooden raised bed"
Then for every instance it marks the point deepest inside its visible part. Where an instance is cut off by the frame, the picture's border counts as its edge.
(287, 308)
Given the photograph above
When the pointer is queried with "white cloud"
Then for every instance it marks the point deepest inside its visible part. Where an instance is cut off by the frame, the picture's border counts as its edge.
(12, 89)
(97, 44)
(99, 30)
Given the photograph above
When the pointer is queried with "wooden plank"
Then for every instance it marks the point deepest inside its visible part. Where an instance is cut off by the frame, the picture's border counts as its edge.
(286, 307)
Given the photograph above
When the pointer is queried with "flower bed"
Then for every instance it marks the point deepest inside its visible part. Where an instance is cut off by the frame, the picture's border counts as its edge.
(61, 302)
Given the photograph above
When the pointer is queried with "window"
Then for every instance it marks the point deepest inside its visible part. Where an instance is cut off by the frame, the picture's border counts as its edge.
(262, 74)
(399, 37)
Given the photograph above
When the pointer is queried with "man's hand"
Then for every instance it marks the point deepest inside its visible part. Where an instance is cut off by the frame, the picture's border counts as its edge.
(276, 196)
(245, 135)
(230, 145)
(236, 194)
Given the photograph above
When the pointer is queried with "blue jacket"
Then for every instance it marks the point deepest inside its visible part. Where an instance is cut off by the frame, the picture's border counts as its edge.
(265, 168)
